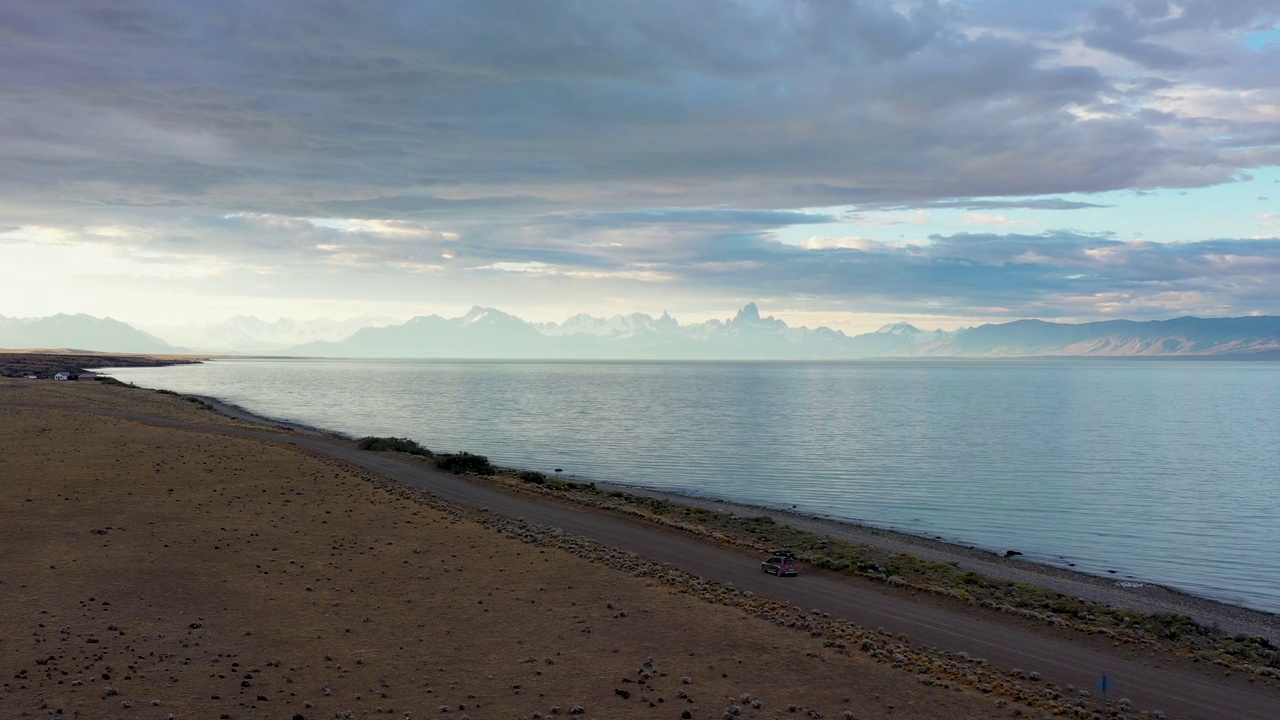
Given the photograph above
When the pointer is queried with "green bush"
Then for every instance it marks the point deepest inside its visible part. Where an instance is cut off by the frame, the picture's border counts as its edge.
(465, 462)
(395, 444)
(659, 505)
(533, 476)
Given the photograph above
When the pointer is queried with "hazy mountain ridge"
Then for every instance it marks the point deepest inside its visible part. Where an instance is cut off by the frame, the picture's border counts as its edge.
(491, 333)
(617, 327)
(482, 332)
(80, 332)
(1182, 337)
(249, 334)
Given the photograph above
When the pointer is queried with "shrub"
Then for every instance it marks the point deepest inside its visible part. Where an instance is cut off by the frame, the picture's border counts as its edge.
(395, 444)
(660, 506)
(533, 476)
(198, 401)
(465, 462)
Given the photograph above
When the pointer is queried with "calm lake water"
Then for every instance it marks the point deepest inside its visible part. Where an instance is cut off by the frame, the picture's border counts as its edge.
(1163, 471)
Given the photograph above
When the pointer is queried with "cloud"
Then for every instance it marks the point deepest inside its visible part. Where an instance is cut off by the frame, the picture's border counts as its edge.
(635, 141)
(700, 216)
(371, 111)
(1028, 204)
(998, 220)
(1046, 275)
(829, 243)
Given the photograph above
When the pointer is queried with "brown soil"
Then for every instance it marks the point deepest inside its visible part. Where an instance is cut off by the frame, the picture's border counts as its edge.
(155, 572)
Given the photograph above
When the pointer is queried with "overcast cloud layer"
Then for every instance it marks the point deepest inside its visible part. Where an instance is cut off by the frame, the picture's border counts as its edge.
(399, 157)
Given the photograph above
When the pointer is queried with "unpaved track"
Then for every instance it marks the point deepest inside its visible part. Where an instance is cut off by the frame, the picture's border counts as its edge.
(1180, 691)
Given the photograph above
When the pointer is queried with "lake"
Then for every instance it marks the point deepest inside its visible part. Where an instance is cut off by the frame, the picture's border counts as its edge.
(1161, 471)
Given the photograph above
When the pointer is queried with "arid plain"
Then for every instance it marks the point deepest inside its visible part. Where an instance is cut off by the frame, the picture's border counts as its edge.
(177, 570)
(156, 572)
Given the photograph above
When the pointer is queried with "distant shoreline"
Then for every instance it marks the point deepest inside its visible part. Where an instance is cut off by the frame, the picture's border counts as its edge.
(1137, 595)
(239, 413)
(45, 363)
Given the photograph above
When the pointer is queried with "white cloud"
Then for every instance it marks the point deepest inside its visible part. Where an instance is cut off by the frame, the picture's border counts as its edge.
(1221, 104)
(993, 220)
(393, 229)
(827, 243)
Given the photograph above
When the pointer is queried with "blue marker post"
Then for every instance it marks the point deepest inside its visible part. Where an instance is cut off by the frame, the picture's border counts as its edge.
(1103, 685)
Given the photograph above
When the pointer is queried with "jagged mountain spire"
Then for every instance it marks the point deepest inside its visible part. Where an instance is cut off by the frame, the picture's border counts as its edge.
(749, 313)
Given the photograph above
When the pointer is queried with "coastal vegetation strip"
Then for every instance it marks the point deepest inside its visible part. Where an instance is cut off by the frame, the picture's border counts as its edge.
(392, 444)
(461, 463)
(1174, 633)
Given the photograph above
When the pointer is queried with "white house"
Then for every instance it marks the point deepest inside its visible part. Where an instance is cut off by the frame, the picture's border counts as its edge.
(62, 376)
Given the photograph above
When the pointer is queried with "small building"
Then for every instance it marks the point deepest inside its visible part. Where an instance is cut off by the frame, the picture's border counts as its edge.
(62, 376)
(33, 376)
(87, 376)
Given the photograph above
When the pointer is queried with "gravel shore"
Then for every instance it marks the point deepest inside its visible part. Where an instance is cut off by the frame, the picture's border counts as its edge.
(1140, 596)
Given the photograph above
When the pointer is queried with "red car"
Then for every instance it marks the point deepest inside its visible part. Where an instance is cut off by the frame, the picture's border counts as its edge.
(782, 564)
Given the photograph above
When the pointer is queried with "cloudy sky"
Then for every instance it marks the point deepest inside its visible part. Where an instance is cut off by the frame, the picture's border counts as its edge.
(839, 163)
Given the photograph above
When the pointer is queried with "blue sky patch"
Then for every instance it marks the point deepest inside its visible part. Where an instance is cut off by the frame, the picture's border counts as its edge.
(1258, 40)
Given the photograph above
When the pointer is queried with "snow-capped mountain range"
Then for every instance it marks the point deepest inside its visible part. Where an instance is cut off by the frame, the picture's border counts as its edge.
(489, 333)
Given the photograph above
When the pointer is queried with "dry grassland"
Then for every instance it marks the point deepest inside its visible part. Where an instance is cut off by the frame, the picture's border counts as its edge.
(150, 572)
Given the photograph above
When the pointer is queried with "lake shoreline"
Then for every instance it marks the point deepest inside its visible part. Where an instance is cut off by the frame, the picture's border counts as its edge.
(1107, 469)
(1135, 594)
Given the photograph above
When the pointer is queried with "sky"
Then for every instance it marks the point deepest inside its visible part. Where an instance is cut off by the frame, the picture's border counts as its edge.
(848, 164)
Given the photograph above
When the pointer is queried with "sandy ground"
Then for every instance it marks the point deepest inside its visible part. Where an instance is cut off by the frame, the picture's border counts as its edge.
(151, 573)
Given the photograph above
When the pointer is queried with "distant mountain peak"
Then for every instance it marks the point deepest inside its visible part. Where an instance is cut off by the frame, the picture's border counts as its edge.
(749, 313)
(476, 314)
(899, 328)
(487, 316)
